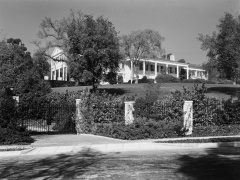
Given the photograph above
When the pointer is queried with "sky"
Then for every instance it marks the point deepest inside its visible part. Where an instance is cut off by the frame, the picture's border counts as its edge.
(179, 21)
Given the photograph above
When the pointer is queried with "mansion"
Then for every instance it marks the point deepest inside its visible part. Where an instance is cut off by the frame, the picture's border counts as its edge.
(149, 68)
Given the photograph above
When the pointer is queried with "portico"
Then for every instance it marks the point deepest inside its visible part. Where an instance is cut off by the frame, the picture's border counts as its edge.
(153, 67)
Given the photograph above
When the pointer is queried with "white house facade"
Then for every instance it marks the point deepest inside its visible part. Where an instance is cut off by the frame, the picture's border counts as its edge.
(147, 67)
(153, 67)
(59, 68)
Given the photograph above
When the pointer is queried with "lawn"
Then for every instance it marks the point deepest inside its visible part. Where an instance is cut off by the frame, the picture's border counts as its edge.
(220, 91)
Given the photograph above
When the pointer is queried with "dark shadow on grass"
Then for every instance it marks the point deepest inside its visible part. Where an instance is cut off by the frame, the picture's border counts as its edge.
(225, 90)
(61, 166)
(219, 163)
(116, 91)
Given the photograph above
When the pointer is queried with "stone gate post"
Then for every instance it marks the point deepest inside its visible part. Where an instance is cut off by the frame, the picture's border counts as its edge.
(188, 117)
(129, 112)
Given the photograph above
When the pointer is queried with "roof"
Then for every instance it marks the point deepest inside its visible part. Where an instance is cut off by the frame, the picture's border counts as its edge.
(195, 66)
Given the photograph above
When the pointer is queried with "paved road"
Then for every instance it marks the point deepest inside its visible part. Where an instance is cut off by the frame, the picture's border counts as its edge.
(216, 163)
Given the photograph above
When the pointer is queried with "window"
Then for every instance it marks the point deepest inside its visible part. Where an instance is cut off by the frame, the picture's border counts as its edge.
(141, 66)
(175, 70)
(146, 67)
(170, 69)
(157, 68)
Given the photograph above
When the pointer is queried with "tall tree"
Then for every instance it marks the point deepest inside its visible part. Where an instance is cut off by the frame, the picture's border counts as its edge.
(91, 45)
(17, 69)
(141, 44)
(223, 47)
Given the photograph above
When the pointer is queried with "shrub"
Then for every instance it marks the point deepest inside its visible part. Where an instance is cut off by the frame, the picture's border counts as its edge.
(213, 130)
(55, 83)
(165, 78)
(120, 79)
(7, 109)
(225, 81)
(142, 128)
(14, 135)
(99, 107)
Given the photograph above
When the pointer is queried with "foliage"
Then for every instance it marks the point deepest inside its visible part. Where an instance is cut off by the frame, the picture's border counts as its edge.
(14, 135)
(197, 81)
(182, 74)
(142, 128)
(216, 130)
(100, 107)
(57, 83)
(182, 60)
(111, 77)
(139, 45)
(91, 45)
(223, 47)
(120, 79)
(7, 109)
(165, 78)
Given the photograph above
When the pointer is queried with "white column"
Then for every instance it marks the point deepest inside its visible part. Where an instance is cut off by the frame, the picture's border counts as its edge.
(177, 71)
(131, 72)
(155, 69)
(144, 68)
(66, 73)
(63, 78)
(166, 68)
(187, 73)
(51, 78)
(196, 74)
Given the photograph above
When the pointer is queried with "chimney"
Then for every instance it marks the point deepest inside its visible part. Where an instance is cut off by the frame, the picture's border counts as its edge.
(172, 57)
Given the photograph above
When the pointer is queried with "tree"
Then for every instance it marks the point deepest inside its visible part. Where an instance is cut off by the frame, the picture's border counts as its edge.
(18, 71)
(91, 45)
(182, 60)
(223, 47)
(141, 44)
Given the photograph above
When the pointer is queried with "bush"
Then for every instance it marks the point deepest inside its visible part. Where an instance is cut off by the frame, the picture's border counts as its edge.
(99, 107)
(7, 109)
(225, 81)
(120, 79)
(14, 135)
(165, 78)
(213, 130)
(142, 128)
(55, 83)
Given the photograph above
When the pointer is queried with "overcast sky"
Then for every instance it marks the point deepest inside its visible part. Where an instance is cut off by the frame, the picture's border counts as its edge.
(179, 21)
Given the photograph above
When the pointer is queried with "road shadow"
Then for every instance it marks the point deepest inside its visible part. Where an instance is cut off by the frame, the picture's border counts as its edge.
(218, 163)
(224, 90)
(63, 166)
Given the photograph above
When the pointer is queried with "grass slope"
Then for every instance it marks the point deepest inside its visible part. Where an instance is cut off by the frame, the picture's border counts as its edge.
(220, 91)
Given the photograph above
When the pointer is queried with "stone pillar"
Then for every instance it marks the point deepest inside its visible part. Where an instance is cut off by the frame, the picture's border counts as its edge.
(129, 112)
(177, 71)
(155, 69)
(79, 116)
(144, 68)
(188, 117)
